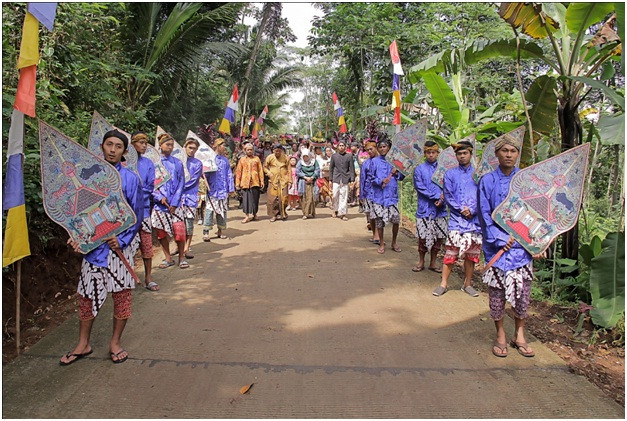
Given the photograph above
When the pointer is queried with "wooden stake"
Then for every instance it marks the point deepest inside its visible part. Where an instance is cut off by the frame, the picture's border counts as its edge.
(18, 289)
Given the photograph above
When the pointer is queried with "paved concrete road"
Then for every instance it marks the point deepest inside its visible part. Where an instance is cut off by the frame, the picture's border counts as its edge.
(318, 321)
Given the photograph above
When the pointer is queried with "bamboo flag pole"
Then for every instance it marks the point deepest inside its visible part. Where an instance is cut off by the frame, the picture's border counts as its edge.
(18, 289)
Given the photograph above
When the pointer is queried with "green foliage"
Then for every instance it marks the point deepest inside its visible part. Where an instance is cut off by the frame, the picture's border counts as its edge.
(607, 281)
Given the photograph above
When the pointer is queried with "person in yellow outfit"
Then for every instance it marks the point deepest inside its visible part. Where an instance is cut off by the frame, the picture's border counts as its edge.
(277, 168)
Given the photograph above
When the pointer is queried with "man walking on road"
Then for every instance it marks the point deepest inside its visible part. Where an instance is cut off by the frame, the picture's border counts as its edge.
(510, 277)
(220, 184)
(249, 178)
(464, 234)
(190, 192)
(342, 173)
(278, 170)
(103, 271)
(431, 211)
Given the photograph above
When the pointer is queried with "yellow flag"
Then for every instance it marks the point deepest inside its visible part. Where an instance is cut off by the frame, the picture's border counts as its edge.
(16, 245)
(29, 49)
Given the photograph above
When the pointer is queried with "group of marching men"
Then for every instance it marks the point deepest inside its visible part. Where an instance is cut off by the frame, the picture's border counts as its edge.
(470, 226)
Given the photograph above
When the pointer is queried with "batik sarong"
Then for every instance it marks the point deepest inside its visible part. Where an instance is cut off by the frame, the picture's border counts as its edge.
(170, 224)
(385, 214)
(466, 246)
(308, 201)
(250, 200)
(95, 281)
(430, 233)
(513, 286)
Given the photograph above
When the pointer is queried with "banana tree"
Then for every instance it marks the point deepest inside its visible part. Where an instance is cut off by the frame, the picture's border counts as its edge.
(572, 54)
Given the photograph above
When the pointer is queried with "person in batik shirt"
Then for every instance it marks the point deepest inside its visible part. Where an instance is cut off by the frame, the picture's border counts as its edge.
(464, 233)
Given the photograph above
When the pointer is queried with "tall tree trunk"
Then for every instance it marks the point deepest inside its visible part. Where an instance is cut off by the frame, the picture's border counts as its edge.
(614, 179)
(570, 127)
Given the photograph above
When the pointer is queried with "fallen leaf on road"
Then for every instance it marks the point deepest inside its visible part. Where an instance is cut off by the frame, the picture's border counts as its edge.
(483, 319)
(310, 276)
(245, 389)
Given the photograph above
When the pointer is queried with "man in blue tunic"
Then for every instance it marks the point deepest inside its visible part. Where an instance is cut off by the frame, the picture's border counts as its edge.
(385, 194)
(103, 271)
(464, 233)
(510, 277)
(366, 177)
(190, 192)
(167, 215)
(430, 213)
(220, 183)
(146, 170)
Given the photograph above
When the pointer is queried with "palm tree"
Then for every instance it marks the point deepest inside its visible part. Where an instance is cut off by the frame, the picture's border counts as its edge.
(172, 39)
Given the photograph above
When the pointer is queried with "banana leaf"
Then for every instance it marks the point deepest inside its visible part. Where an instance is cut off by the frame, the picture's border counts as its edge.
(607, 281)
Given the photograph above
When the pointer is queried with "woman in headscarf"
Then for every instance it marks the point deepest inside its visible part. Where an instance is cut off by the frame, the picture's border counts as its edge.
(307, 171)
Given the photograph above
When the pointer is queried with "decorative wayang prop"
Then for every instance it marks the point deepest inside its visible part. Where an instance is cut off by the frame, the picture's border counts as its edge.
(447, 160)
(205, 154)
(544, 200)
(161, 173)
(81, 191)
(178, 152)
(100, 126)
(408, 147)
(489, 161)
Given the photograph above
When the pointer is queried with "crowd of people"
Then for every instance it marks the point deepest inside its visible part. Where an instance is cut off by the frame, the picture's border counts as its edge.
(304, 174)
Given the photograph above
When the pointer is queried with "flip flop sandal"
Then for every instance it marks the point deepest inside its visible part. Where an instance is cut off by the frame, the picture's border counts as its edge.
(273, 219)
(221, 236)
(396, 249)
(501, 347)
(189, 255)
(183, 265)
(78, 357)
(206, 239)
(165, 264)
(118, 360)
(377, 242)
(344, 218)
(174, 253)
(522, 349)
(152, 286)
(437, 270)
(417, 268)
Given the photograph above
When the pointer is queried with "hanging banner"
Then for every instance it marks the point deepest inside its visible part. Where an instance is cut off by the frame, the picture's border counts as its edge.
(205, 154)
(81, 191)
(544, 199)
(408, 147)
(489, 161)
(447, 160)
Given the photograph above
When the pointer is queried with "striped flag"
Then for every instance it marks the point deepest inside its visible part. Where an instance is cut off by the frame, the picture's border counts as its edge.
(259, 123)
(16, 245)
(396, 83)
(340, 113)
(229, 114)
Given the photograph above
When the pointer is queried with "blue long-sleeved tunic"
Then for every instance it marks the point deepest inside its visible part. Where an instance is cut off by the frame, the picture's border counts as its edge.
(133, 195)
(146, 170)
(173, 189)
(221, 182)
(428, 192)
(460, 191)
(366, 177)
(388, 195)
(190, 189)
(493, 189)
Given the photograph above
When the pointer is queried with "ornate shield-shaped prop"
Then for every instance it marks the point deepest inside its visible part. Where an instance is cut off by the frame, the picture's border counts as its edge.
(81, 191)
(178, 152)
(544, 199)
(408, 147)
(161, 173)
(205, 154)
(489, 161)
(447, 160)
(99, 126)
